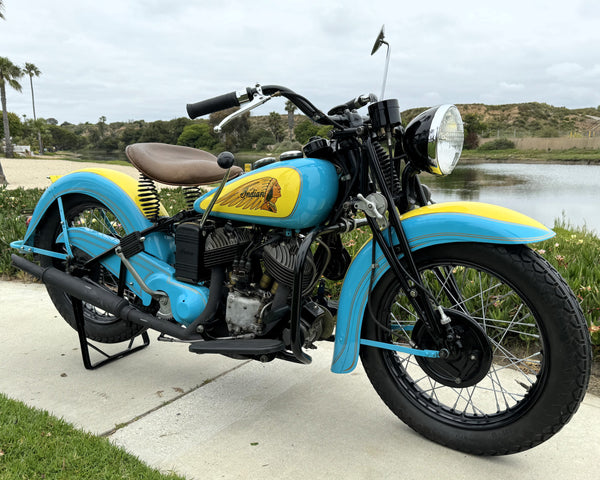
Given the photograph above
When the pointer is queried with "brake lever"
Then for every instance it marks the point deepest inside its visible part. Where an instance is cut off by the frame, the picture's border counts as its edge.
(258, 99)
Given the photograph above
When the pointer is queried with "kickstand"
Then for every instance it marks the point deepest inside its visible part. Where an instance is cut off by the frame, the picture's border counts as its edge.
(85, 345)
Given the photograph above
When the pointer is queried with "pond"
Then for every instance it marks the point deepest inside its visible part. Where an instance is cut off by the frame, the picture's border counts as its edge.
(545, 192)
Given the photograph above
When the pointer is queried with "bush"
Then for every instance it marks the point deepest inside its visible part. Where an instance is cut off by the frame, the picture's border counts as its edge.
(499, 144)
(15, 205)
(287, 145)
(263, 142)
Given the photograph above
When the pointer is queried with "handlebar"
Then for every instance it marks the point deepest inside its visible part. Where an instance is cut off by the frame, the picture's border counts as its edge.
(212, 105)
(353, 104)
(236, 99)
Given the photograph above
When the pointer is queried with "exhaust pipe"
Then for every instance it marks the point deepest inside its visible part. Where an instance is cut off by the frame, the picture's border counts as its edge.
(96, 295)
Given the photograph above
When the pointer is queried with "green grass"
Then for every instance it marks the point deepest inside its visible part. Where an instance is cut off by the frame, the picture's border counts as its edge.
(34, 444)
(571, 155)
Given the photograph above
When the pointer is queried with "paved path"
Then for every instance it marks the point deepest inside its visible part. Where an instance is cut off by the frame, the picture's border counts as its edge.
(212, 417)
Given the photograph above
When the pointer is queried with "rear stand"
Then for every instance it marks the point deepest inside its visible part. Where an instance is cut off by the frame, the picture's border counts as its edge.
(85, 345)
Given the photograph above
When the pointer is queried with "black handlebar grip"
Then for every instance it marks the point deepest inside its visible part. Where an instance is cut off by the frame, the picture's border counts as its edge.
(212, 105)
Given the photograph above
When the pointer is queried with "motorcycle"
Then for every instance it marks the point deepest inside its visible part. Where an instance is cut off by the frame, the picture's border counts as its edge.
(467, 334)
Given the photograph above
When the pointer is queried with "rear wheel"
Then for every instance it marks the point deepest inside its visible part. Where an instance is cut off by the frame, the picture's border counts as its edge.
(525, 360)
(84, 211)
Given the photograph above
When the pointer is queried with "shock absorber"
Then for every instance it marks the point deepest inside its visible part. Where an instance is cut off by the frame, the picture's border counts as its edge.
(391, 176)
(149, 198)
(191, 194)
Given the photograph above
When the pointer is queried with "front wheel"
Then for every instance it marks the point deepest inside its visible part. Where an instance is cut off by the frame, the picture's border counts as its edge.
(526, 356)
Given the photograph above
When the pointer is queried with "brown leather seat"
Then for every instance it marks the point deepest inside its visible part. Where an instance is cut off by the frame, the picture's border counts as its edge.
(177, 165)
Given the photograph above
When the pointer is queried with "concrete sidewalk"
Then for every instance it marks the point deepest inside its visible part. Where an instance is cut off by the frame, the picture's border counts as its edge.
(213, 417)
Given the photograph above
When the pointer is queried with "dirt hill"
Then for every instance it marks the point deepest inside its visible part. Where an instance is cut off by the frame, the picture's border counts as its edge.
(531, 119)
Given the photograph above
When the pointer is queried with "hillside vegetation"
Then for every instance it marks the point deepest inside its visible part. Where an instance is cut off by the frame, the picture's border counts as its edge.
(282, 131)
(526, 119)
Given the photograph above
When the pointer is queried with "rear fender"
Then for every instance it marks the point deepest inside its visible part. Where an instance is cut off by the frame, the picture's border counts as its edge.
(437, 224)
(117, 191)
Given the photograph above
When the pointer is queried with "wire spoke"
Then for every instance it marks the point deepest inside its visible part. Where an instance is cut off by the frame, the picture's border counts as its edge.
(512, 332)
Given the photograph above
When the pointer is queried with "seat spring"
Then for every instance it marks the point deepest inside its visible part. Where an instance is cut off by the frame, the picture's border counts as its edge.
(149, 197)
(191, 194)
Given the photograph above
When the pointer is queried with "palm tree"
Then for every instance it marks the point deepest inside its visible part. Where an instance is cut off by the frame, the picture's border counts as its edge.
(289, 108)
(9, 73)
(31, 70)
(1, 8)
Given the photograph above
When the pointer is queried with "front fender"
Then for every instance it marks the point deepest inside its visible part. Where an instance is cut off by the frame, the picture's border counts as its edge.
(116, 190)
(441, 223)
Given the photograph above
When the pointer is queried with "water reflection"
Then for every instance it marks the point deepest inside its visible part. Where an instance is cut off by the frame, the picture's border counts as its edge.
(544, 192)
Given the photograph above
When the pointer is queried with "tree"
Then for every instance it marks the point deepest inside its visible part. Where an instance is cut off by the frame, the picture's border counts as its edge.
(290, 108)
(9, 73)
(198, 135)
(63, 138)
(31, 70)
(473, 125)
(235, 132)
(1, 9)
(276, 126)
(304, 130)
(15, 125)
(101, 126)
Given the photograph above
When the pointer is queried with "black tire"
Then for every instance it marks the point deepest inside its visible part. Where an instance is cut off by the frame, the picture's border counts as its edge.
(100, 326)
(540, 354)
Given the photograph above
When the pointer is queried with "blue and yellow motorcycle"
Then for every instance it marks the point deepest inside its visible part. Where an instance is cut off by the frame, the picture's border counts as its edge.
(468, 335)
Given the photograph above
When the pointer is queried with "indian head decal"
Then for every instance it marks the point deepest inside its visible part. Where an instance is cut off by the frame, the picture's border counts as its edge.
(259, 194)
(272, 194)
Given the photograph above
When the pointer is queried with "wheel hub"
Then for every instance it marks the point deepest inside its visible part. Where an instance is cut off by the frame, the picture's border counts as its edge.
(470, 353)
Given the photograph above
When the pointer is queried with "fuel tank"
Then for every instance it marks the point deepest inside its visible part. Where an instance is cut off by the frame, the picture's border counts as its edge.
(295, 194)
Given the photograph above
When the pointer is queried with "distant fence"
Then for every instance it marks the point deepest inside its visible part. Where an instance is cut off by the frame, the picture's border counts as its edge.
(553, 143)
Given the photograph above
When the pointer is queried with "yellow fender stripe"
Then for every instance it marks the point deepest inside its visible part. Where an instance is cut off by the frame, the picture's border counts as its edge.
(486, 210)
(124, 181)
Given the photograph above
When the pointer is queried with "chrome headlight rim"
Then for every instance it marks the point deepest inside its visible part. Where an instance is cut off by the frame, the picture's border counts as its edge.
(434, 139)
(444, 166)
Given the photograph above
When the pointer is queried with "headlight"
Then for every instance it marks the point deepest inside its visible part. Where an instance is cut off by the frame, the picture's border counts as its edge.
(434, 139)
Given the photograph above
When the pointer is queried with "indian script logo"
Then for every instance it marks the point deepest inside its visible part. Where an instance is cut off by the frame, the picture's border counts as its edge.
(260, 194)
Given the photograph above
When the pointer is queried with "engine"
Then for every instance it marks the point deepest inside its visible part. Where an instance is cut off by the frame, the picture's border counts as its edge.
(258, 297)
(260, 277)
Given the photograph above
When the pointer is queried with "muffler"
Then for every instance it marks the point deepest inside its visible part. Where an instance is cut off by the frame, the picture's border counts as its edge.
(108, 301)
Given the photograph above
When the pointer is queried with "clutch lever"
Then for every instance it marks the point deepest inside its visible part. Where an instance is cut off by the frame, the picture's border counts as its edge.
(258, 99)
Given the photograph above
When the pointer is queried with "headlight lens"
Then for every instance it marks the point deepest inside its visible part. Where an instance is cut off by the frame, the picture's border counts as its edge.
(434, 139)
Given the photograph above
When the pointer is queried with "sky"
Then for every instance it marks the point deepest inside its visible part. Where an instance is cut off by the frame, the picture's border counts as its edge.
(145, 59)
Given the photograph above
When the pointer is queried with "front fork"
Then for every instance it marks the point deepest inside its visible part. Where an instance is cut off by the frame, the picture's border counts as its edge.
(432, 315)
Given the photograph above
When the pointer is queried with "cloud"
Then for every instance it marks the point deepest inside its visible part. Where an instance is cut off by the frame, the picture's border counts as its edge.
(564, 69)
(511, 86)
(130, 59)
